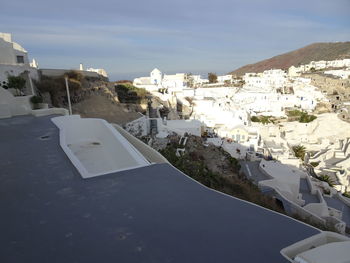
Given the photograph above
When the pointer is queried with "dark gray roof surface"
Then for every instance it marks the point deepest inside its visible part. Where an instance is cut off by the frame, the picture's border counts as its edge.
(305, 190)
(339, 205)
(151, 214)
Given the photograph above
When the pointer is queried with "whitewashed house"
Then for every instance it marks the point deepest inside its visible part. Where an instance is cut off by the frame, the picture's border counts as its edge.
(225, 79)
(174, 83)
(14, 62)
(151, 83)
(156, 77)
(99, 71)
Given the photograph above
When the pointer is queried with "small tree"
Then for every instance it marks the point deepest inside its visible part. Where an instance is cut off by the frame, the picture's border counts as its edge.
(299, 151)
(327, 179)
(212, 77)
(255, 119)
(190, 80)
(36, 100)
(305, 118)
(18, 83)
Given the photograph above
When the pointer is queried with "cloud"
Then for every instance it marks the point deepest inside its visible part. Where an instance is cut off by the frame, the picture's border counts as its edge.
(181, 35)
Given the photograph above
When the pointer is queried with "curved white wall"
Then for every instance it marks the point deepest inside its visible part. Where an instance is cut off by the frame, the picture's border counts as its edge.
(13, 106)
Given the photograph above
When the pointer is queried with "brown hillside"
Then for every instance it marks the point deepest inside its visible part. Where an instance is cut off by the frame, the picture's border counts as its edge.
(313, 52)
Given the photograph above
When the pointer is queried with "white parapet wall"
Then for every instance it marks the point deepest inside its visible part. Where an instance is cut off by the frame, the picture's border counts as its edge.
(325, 247)
(50, 111)
(148, 152)
(13, 106)
(95, 147)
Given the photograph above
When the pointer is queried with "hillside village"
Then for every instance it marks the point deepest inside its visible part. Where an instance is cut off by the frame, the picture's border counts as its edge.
(280, 124)
(287, 130)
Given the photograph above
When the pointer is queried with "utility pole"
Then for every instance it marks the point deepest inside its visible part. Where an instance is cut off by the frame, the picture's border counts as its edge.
(68, 96)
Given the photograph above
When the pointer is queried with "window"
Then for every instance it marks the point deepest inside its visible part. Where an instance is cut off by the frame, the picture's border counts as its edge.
(20, 59)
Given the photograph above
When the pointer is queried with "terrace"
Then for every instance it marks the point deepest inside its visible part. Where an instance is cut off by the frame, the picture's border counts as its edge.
(149, 214)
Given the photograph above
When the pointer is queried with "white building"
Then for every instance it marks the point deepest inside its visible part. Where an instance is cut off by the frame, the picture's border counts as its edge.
(158, 80)
(99, 71)
(156, 77)
(175, 82)
(225, 79)
(341, 73)
(266, 81)
(318, 65)
(197, 80)
(12, 53)
(14, 62)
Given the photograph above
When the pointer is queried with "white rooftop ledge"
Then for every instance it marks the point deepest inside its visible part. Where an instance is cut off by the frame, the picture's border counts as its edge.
(326, 247)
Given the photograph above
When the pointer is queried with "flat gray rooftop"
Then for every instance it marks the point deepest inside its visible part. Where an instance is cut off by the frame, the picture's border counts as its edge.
(252, 171)
(305, 190)
(339, 205)
(152, 214)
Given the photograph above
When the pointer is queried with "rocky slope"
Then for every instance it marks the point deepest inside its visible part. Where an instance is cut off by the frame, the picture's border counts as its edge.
(313, 52)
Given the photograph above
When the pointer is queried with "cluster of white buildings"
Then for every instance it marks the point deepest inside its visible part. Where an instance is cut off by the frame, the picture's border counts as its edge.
(172, 83)
(318, 65)
(272, 92)
(225, 111)
(223, 115)
(303, 195)
(327, 138)
(341, 73)
(178, 82)
(266, 81)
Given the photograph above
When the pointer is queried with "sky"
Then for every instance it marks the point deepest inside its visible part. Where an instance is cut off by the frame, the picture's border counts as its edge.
(129, 38)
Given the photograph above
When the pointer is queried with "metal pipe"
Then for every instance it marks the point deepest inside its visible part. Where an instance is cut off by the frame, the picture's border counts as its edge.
(68, 96)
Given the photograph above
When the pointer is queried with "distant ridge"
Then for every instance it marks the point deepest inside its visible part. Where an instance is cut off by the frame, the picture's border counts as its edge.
(313, 52)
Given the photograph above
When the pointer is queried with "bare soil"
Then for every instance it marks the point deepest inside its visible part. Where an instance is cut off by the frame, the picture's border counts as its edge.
(98, 106)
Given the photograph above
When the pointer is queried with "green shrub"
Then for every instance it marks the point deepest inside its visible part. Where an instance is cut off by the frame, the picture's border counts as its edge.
(18, 83)
(36, 99)
(262, 119)
(75, 75)
(305, 118)
(301, 116)
(346, 194)
(314, 164)
(127, 93)
(265, 119)
(255, 119)
(299, 151)
(294, 113)
(327, 179)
